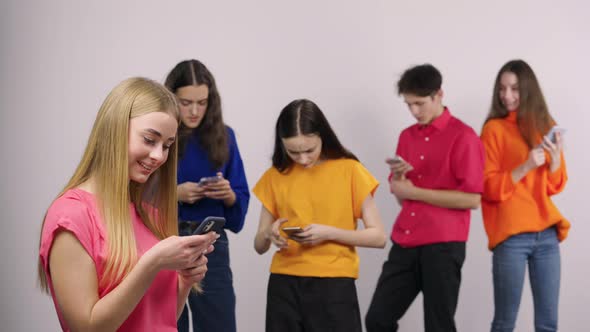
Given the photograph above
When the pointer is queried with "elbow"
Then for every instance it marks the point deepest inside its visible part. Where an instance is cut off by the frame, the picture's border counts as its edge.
(260, 248)
(380, 240)
(474, 202)
(383, 242)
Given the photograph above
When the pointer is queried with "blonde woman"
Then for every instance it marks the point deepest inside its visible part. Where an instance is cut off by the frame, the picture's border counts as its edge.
(108, 253)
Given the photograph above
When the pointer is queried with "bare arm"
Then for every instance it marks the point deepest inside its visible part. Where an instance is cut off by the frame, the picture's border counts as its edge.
(372, 235)
(73, 275)
(268, 232)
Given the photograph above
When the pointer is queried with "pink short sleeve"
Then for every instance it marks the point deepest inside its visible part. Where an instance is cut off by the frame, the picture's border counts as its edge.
(75, 213)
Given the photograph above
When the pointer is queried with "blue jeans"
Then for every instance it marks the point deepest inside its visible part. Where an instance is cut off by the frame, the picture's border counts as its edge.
(540, 251)
(214, 309)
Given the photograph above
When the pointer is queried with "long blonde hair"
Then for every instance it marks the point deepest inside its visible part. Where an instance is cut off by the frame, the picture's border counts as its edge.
(105, 159)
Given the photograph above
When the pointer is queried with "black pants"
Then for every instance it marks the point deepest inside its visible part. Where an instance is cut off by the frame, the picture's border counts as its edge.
(434, 270)
(297, 304)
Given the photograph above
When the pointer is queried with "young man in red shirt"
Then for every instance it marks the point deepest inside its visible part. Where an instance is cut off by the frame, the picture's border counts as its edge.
(437, 181)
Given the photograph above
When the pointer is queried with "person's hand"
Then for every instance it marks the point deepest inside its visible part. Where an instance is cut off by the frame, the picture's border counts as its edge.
(314, 234)
(190, 192)
(402, 188)
(399, 168)
(179, 253)
(554, 150)
(535, 159)
(195, 274)
(220, 190)
(274, 234)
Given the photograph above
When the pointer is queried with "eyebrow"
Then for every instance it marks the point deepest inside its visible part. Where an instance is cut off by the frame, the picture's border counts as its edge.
(304, 150)
(157, 133)
(191, 101)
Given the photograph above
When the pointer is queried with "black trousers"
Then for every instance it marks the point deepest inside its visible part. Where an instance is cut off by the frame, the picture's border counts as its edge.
(434, 270)
(297, 304)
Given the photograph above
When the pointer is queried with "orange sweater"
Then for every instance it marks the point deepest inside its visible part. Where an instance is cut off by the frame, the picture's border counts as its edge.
(512, 208)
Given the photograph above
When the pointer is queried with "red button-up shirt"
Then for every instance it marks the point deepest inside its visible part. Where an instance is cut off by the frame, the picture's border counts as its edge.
(447, 155)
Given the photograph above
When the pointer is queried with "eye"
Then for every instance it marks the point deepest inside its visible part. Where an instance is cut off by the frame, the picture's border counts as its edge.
(203, 102)
(167, 146)
(149, 141)
(185, 102)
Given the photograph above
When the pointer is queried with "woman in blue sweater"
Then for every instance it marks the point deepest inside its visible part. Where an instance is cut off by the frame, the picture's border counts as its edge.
(211, 182)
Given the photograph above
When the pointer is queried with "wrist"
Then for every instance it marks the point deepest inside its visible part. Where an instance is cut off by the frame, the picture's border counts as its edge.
(149, 263)
(230, 201)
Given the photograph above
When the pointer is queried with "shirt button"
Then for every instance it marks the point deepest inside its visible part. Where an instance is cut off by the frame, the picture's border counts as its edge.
(407, 232)
(419, 176)
(412, 214)
(427, 139)
(421, 157)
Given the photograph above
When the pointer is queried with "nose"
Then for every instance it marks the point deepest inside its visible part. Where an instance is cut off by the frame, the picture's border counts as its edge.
(194, 109)
(157, 154)
(508, 94)
(303, 159)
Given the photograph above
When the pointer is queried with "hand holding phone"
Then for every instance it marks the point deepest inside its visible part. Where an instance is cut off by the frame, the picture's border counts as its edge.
(210, 224)
(398, 166)
(292, 231)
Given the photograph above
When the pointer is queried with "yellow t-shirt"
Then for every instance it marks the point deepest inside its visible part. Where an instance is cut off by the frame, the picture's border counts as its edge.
(330, 193)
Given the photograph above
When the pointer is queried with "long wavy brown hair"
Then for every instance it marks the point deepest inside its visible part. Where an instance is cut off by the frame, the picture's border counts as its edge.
(533, 116)
(211, 132)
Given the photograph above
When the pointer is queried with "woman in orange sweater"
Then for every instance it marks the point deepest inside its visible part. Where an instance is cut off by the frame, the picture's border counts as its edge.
(523, 170)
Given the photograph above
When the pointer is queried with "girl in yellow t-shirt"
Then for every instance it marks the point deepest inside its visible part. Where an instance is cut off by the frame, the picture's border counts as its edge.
(319, 189)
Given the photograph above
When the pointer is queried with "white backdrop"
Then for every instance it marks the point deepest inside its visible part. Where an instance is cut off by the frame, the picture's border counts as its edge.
(60, 58)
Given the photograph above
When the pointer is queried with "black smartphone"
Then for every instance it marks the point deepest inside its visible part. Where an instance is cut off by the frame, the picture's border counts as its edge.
(210, 224)
(290, 231)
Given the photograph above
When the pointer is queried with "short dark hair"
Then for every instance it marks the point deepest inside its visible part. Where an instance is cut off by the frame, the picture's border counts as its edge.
(304, 117)
(423, 80)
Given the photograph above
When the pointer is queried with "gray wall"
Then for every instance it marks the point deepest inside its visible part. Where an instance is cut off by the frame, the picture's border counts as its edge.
(60, 58)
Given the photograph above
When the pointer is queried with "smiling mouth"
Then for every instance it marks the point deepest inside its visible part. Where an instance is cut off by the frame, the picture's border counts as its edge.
(146, 167)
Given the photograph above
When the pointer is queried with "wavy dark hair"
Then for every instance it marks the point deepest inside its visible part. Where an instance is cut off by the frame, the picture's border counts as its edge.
(533, 116)
(211, 132)
(304, 117)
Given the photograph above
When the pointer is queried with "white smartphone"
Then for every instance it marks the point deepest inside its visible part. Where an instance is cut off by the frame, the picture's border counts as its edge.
(290, 231)
(551, 134)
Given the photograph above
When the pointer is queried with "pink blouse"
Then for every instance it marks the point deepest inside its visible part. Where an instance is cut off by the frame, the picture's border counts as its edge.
(76, 211)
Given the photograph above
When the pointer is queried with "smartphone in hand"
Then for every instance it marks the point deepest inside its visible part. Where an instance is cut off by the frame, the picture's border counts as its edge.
(209, 180)
(210, 224)
(552, 133)
(395, 160)
(292, 231)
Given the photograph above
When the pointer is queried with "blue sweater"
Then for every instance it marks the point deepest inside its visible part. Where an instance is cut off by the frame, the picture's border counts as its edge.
(195, 164)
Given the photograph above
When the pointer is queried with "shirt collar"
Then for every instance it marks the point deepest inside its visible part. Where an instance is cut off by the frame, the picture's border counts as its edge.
(441, 121)
(511, 116)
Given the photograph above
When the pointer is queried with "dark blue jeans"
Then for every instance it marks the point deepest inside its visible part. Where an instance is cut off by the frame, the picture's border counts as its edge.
(540, 251)
(215, 309)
